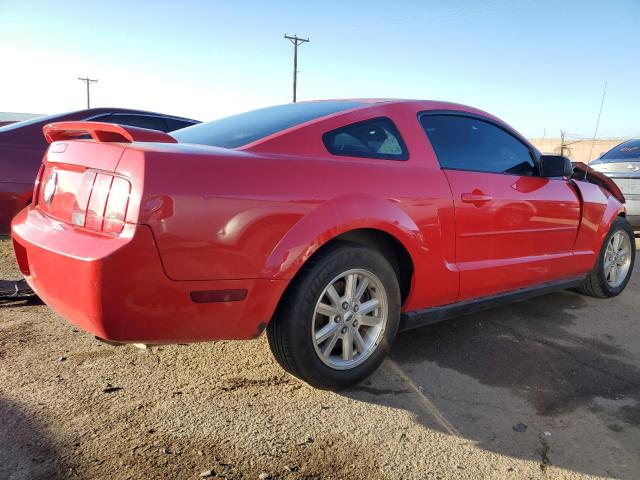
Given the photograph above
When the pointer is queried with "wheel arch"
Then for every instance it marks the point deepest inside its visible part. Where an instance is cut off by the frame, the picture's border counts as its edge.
(365, 220)
(388, 245)
(613, 210)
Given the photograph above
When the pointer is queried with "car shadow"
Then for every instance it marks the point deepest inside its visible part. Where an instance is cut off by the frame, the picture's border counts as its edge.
(20, 303)
(536, 365)
(26, 450)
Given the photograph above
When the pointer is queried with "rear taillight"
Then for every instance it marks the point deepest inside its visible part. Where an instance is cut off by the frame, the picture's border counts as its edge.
(36, 187)
(101, 202)
(79, 213)
(117, 203)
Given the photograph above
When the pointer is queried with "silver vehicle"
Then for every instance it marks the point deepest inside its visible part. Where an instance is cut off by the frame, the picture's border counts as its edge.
(622, 165)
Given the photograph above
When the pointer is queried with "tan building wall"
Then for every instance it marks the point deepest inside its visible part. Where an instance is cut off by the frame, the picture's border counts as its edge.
(578, 151)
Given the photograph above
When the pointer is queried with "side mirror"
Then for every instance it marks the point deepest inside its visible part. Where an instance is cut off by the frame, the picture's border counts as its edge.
(555, 166)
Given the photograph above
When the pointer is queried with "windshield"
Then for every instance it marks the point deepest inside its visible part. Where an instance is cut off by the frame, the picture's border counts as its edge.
(31, 121)
(245, 128)
(627, 151)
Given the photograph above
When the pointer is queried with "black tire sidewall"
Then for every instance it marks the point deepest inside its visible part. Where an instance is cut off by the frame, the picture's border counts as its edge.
(620, 224)
(300, 312)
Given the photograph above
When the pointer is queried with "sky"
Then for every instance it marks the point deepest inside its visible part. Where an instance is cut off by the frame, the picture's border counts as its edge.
(539, 65)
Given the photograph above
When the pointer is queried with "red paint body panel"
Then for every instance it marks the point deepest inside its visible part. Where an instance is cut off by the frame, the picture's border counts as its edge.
(521, 235)
(206, 218)
(600, 209)
(115, 287)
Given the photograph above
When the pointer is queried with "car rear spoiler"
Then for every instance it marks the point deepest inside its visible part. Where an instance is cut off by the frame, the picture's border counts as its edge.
(582, 171)
(103, 132)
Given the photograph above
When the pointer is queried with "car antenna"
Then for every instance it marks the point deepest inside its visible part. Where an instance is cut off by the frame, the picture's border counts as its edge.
(595, 133)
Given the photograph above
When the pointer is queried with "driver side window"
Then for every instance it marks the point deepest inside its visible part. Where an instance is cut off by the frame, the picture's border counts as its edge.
(468, 143)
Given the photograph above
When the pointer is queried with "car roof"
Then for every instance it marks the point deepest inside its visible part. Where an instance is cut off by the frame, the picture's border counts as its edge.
(437, 103)
(417, 103)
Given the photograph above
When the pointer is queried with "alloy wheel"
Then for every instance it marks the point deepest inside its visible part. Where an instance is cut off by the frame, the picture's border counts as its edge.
(617, 259)
(350, 318)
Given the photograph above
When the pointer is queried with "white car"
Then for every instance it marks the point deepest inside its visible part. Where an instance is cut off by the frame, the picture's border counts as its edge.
(622, 165)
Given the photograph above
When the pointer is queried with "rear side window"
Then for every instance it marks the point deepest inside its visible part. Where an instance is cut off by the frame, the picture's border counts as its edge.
(375, 138)
(467, 143)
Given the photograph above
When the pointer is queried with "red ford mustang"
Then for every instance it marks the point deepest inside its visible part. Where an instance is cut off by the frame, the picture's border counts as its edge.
(332, 224)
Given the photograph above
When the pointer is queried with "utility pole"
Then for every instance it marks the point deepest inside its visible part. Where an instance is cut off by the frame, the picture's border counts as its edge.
(88, 81)
(295, 40)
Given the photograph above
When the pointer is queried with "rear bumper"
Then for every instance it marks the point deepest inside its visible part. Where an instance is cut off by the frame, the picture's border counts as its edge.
(115, 287)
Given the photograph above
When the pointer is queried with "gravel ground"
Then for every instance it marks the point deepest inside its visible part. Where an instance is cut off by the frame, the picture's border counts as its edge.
(548, 388)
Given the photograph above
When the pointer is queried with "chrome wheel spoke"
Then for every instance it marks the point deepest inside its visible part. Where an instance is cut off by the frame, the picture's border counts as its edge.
(326, 351)
(350, 287)
(615, 242)
(328, 310)
(333, 295)
(368, 306)
(359, 341)
(347, 345)
(362, 287)
(607, 270)
(368, 321)
(325, 332)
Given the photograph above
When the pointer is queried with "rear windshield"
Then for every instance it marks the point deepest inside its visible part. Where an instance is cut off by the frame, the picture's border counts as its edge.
(629, 151)
(245, 128)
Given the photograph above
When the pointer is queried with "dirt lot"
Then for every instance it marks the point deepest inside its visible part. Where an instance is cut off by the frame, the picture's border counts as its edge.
(548, 388)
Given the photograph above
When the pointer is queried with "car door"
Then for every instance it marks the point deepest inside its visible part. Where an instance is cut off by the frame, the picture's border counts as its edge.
(513, 228)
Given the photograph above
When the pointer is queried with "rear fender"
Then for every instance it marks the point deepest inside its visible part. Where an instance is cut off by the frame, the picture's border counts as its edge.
(599, 210)
(613, 210)
(333, 218)
(586, 173)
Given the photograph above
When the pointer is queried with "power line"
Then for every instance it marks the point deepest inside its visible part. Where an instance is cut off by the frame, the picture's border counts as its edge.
(604, 92)
(296, 41)
(88, 81)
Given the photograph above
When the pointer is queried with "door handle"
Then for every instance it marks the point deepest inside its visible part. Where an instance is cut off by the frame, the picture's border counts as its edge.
(476, 197)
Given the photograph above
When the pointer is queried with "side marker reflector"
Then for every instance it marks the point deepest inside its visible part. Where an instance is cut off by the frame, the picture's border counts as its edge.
(215, 296)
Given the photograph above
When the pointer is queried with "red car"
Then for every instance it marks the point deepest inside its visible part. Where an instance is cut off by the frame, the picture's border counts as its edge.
(22, 147)
(330, 224)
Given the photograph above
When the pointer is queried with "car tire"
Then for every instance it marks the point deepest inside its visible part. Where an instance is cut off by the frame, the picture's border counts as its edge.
(618, 250)
(317, 318)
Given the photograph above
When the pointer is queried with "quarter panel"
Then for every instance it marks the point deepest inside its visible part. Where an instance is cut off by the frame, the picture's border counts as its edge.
(219, 214)
(599, 211)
